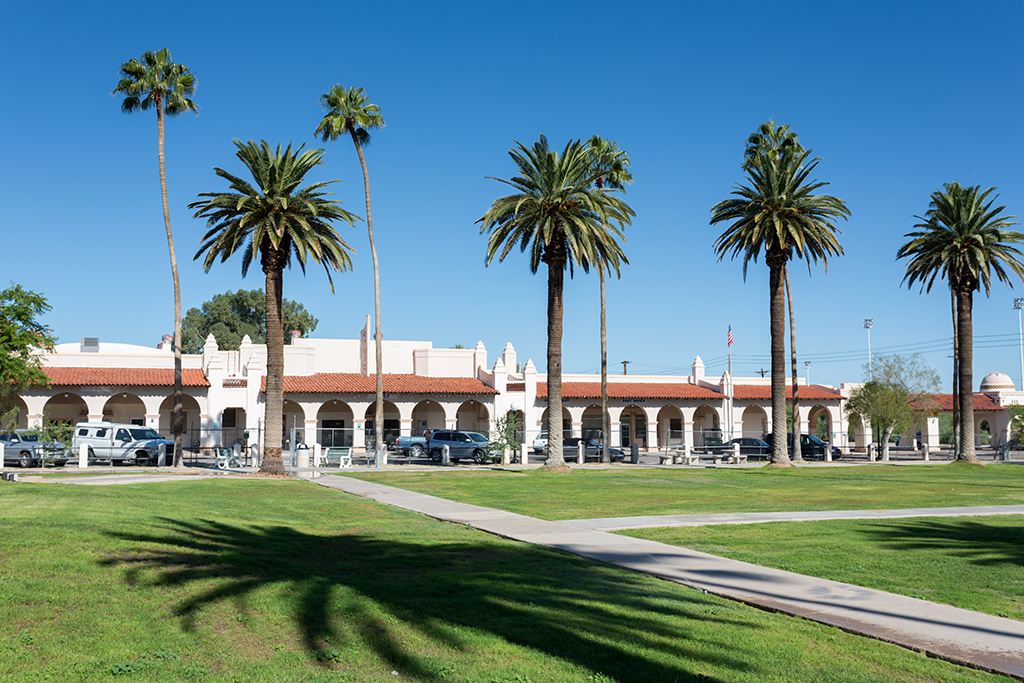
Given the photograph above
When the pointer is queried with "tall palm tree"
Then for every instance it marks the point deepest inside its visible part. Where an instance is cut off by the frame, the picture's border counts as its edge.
(963, 240)
(349, 111)
(611, 165)
(557, 213)
(770, 140)
(274, 220)
(155, 82)
(778, 212)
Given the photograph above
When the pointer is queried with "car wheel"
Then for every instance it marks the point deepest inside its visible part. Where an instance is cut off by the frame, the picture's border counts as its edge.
(435, 455)
(416, 451)
(25, 459)
(478, 456)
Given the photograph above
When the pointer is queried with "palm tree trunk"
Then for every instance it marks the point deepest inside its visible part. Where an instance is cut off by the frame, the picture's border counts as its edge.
(797, 456)
(605, 418)
(965, 342)
(378, 414)
(956, 366)
(272, 461)
(777, 310)
(176, 414)
(556, 270)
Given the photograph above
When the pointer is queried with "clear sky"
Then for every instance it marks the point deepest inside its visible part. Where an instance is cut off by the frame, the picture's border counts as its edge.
(896, 98)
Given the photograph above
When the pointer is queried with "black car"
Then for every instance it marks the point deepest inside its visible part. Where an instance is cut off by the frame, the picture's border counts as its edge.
(592, 449)
(749, 447)
(811, 447)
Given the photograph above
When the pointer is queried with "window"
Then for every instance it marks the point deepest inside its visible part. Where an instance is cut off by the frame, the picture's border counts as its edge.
(101, 432)
(229, 418)
(122, 435)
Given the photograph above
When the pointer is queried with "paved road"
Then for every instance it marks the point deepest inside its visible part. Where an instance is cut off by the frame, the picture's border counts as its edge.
(957, 635)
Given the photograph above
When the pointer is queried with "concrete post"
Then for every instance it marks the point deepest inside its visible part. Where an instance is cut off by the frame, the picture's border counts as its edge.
(446, 455)
(524, 457)
(161, 458)
(736, 451)
(316, 454)
(83, 456)
(581, 449)
(1, 456)
(828, 452)
(506, 456)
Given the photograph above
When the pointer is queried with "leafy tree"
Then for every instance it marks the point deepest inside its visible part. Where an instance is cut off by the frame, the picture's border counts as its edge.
(274, 221)
(963, 240)
(349, 111)
(155, 82)
(232, 315)
(21, 337)
(563, 219)
(611, 166)
(505, 435)
(778, 212)
(897, 396)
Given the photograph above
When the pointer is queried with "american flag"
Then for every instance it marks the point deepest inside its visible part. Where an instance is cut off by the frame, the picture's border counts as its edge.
(730, 334)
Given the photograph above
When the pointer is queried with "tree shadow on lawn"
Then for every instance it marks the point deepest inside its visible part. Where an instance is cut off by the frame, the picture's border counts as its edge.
(981, 542)
(599, 617)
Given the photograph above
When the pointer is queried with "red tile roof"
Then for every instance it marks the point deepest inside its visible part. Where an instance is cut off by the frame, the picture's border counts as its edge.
(943, 403)
(631, 390)
(515, 386)
(124, 377)
(354, 383)
(763, 392)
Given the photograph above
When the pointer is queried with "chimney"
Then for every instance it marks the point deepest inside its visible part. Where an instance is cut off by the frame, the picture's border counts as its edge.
(295, 335)
(166, 342)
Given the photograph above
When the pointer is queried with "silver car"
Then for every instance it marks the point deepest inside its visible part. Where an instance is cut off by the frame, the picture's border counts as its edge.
(26, 448)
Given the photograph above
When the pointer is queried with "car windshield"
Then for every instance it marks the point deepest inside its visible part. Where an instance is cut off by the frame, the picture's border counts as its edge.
(479, 438)
(145, 434)
(32, 437)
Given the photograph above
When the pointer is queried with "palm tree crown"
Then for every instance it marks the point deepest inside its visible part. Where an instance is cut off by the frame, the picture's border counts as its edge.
(156, 81)
(277, 220)
(558, 214)
(962, 239)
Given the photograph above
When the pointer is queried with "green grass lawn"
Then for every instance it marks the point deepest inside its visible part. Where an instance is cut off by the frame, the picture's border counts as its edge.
(267, 580)
(976, 563)
(620, 492)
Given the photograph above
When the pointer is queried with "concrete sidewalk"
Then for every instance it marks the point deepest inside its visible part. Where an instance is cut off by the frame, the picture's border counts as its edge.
(957, 635)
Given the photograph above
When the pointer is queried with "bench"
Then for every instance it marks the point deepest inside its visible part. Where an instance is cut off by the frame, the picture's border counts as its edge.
(225, 458)
(336, 457)
(679, 457)
(730, 458)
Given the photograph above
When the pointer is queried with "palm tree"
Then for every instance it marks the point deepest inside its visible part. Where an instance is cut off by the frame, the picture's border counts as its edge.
(612, 168)
(274, 220)
(963, 240)
(770, 140)
(155, 82)
(349, 111)
(557, 213)
(779, 213)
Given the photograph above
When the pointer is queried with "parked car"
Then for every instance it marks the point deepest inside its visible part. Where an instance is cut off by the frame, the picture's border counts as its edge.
(25, 448)
(540, 444)
(592, 449)
(811, 447)
(750, 447)
(120, 443)
(461, 445)
(414, 446)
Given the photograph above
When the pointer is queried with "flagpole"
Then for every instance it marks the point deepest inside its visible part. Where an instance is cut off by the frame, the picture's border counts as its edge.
(730, 349)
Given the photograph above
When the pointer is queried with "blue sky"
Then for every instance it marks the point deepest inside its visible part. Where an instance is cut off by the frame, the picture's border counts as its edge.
(896, 98)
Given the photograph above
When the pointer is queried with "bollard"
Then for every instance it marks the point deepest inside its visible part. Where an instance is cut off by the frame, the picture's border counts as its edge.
(828, 452)
(506, 456)
(83, 456)
(736, 451)
(634, 453)
(446, 455)
(161, 458)
(524, 455)
(1, 456)
(316, 455)
(581, 449)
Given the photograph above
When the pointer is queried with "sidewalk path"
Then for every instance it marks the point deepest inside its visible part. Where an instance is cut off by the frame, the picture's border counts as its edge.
(649, 521)
(957, 635)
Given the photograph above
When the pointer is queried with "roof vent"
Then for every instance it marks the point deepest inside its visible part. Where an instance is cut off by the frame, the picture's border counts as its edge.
(90, 345)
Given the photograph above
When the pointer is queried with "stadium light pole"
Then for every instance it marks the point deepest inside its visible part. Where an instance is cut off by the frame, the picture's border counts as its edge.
(868, 322)
(807, 367)
(1018, 303)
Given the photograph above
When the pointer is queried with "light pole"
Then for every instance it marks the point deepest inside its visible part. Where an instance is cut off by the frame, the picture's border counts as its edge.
(1018, 304)
(807, 367)
(868, 322)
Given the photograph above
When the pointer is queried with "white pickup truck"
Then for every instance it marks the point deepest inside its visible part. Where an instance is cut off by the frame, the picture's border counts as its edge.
(120, 443)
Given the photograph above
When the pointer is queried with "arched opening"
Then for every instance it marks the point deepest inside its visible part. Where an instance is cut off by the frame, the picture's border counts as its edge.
(19, 420)
(391, 424)
(190, 418)
(125, 408)
(293, 420)
(334, 424)
(707, 430)
(566, 423)
(819, 423)
(855, 433)
(473, 416)
(670, 427)
(984, 433)
(427, 415)
(66, 407)
(591, 426)
(633, 427)
(755, 422)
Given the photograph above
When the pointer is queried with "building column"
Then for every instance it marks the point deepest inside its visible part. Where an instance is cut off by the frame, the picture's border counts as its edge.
(358, 432)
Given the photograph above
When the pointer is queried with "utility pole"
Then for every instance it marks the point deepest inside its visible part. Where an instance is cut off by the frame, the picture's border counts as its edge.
(624, 364)
(807, 367)
(868, 322)
(1018, 304)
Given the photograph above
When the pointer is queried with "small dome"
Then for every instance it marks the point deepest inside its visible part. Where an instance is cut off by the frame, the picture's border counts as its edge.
(997, 381)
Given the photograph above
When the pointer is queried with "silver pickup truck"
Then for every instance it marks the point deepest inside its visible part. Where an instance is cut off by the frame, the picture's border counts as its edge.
(26, 448)
(120, 443)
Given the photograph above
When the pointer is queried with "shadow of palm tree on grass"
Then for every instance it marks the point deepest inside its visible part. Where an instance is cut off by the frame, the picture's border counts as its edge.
(353, 588)
(983, 542)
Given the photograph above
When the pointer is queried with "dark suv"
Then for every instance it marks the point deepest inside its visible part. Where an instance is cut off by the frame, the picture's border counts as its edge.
(461, 445)
(810, 447)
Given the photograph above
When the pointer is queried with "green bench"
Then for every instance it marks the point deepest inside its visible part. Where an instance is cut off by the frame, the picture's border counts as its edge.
(336, 457)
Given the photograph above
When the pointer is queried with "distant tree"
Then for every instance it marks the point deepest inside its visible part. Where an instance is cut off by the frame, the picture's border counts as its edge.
(963, 239)
(274, 221)
(505, 435)
(21, 337)
(895, 399)
(155, 82)
(232, 315)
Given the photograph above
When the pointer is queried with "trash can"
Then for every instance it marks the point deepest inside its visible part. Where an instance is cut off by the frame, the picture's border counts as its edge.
(302, 455)
(634, 453)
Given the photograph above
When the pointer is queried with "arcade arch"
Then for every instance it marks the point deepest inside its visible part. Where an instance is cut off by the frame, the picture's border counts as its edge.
(473, 416)
(125, 408)
(334, 424)
(670, 427)
(706, 426)
(755, 422)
